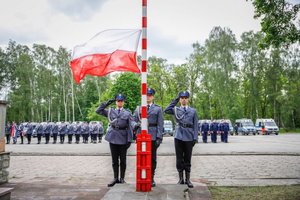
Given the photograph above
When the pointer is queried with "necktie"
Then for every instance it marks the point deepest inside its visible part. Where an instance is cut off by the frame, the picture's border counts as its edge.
(184, 109)
(119, 110)
(148, 107)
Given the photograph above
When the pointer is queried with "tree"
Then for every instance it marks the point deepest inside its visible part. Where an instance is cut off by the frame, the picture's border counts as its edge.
(278, 22)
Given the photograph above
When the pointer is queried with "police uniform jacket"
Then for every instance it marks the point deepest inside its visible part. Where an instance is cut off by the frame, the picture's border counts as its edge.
(205, 127)
(54, 129)
(120, 124)
(39, 129)
(29, 129)
(186, 121)
(155, 120)
(214, 127)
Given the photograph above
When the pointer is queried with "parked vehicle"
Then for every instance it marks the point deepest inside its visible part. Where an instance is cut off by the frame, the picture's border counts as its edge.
(245, 126)
(168, 127)
(268, 124)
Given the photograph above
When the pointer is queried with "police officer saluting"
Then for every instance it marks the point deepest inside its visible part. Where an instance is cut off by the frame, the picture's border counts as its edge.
(186, 134)
(155, 126)
(119, 134)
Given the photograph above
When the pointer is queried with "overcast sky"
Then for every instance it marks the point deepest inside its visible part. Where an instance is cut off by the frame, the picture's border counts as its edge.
(173, 25)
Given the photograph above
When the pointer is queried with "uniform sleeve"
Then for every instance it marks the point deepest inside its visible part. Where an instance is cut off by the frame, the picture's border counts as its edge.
(130, 128)
(136, 115)
(196, 126)
(160, 124)
(101, 109)
(170, 108)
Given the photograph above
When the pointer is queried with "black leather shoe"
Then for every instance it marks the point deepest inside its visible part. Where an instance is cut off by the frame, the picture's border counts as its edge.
(122, 181)
(111, 184)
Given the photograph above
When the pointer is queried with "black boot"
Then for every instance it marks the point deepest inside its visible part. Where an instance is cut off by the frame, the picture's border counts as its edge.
(181, 181)
(122, 181)
(153, 184)
(187, 180)
(123, 169)
(113, 182)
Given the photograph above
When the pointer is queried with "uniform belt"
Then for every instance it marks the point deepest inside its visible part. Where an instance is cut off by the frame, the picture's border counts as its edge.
(186, 125)
(118, 127)
(152, 125)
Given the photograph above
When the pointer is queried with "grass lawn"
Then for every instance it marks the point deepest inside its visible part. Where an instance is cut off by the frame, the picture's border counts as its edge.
(287, 130)
(285, 192)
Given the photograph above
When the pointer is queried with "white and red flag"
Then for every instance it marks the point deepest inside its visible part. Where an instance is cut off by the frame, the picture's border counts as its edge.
(108, 51)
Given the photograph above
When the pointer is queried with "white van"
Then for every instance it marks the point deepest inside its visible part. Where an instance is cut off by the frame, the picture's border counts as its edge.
(269, 124)
(245, 126)
(168, 127)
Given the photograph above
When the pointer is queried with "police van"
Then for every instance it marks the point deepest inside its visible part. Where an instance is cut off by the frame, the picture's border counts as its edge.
(245, 126)
(269, 125)
(168, 127)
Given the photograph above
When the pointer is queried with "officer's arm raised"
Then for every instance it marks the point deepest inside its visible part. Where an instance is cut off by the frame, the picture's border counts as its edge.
(170, 108)
(101, 109)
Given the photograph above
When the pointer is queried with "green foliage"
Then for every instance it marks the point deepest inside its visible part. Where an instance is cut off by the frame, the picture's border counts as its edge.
(226, 79)
(278, 22)
(128, 84)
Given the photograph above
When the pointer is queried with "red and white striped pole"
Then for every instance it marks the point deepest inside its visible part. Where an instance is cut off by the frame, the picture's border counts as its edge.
(144, 69)
(143, 160)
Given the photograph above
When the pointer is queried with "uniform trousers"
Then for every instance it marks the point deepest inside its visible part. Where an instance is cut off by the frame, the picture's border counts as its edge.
(118, 154)
(183, 151)
(47, 137)
(28, 138)
(154, 156)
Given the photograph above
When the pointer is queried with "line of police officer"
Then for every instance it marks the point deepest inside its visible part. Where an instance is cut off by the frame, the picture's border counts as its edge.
(58, 129)
(214, 129)
(122, 125)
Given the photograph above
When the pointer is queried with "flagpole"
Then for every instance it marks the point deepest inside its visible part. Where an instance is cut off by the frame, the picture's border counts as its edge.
(143, 161)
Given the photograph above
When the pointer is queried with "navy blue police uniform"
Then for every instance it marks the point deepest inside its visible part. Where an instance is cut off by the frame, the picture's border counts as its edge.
(204, 131)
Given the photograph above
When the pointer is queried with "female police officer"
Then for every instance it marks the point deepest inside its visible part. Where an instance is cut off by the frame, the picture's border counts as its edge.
(186, 134)
(119, 134)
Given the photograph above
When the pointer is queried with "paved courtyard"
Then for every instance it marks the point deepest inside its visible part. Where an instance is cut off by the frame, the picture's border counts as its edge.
(63, 169)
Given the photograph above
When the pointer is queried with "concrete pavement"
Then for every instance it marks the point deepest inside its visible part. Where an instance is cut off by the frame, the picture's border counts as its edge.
(287, 144)
(82, 171)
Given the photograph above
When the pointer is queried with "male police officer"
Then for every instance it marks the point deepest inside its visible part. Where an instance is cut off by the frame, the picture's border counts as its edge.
(186, 134)
(155, 126)
(7, 132)
(225, 131)
(54, 130)
(214, 128)
(119, 134)
(204, 131)
(47, 130)
(29, 132)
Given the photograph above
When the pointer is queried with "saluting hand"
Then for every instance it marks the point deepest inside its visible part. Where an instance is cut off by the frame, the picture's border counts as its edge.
(110, 101)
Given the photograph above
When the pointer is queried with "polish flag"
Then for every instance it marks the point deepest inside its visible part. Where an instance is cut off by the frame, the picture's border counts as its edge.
(108, 51)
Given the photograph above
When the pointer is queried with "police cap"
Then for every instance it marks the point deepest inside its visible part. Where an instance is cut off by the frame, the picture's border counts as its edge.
(184, 94)
(150, 91)
(120, 97)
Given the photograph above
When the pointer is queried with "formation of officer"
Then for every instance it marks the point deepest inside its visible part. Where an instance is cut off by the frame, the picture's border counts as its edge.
(119, 134)
(185, 136)
(155, 126)
(54, 129)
